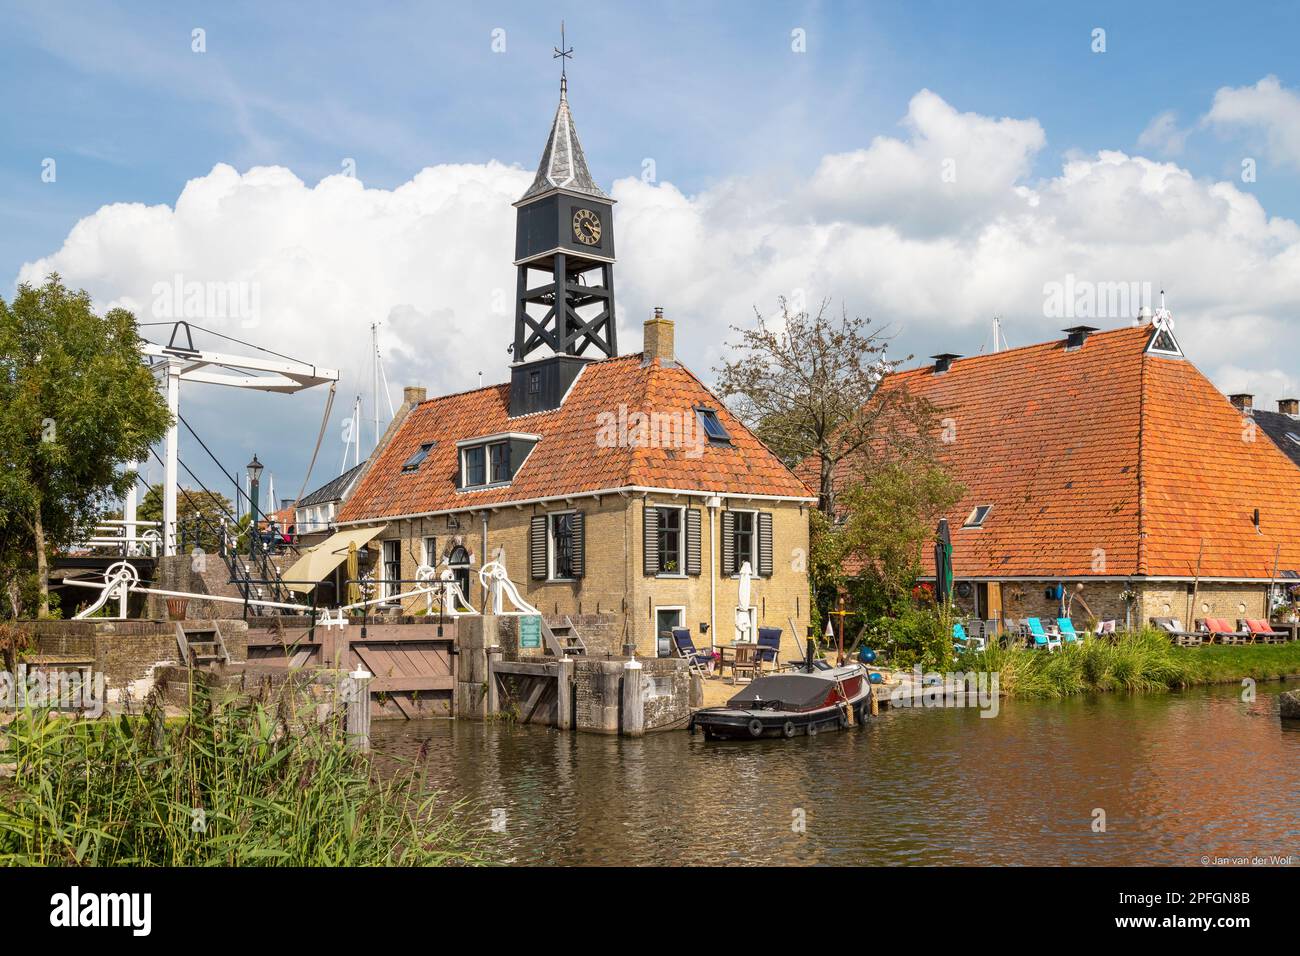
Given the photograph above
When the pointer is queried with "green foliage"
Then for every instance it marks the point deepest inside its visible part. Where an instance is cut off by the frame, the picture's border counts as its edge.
(128, 791)
(76, 403)
(1135, 661)
(913, 635)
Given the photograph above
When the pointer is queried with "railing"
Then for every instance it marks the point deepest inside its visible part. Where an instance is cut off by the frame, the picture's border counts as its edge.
(123, 539)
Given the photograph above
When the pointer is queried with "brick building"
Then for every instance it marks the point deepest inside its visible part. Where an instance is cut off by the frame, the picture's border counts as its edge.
(1107, 460)
(617, 489)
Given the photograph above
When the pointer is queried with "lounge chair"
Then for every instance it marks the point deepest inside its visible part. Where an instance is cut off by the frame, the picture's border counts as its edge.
(1105, 627)
(961, 642)
(1065, 626)
(1218, 629)
(1042, 638)
(1177, 633)
(698, 661)
(769, 646)
(1263, 632)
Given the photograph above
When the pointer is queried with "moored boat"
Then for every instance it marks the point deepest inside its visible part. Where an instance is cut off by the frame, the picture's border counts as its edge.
(815, 698)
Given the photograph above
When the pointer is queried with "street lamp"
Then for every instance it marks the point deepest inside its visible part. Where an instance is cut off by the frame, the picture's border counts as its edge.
(254, 477)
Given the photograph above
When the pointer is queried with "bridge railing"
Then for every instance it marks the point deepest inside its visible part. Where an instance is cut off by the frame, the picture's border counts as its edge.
(136, 539)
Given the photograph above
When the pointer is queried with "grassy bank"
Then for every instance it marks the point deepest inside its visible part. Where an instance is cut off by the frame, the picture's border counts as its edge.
(230, 788)
(1145, 661)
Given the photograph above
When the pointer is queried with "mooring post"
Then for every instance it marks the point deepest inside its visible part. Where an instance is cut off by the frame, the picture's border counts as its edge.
(493, 693)
(633, 706)
(357, 699)
(564, 693)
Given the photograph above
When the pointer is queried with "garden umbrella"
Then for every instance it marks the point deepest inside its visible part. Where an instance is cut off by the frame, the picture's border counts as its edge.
(943, 563)
(744, 599)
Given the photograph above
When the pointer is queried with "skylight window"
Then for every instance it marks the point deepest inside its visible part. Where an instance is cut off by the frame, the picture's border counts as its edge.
(712, 427)
(413, 463)
(1294, 437)
(977, 516)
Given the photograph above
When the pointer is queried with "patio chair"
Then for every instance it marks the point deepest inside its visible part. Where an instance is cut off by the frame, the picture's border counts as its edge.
(1105, 627)
(769, 646)
(1263, 632)
(1177, 633)
(1069, 635)
(698, 661)
(1218, 629)
(1042, 638)
(962, 642)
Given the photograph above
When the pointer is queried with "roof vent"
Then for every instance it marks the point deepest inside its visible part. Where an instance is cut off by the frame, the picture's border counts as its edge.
(1075, 335)
(1144, 315)
(943, 361)
(1289, 406)
(1242, 402)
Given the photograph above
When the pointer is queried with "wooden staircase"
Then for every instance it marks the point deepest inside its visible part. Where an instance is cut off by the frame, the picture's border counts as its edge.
(201, 645)
(563, 640)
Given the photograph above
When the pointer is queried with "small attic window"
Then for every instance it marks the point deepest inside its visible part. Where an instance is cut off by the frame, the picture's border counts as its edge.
(1293, 437)
(1163, 342)
(976, 518)
(712, 427)
(413, 463)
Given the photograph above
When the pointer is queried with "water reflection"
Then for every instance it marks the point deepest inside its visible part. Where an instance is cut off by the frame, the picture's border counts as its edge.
(1176, 776)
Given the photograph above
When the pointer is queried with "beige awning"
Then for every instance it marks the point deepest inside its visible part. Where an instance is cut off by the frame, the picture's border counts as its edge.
(319, 561)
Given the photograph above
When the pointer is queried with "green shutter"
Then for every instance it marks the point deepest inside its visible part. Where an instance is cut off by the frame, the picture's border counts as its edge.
(537, 543)
(693, 541)
(728, 544)
(650, 540)
(579, 543)
(765, 544)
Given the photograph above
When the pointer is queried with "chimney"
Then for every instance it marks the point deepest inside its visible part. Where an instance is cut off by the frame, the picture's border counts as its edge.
(659, 339)
(414, 394)
(1075, 335)
(943, 361)
(1289, 406)
(1242, 402)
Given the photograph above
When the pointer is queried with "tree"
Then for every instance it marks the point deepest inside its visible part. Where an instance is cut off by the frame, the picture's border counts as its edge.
(76, 403)
(806, 387)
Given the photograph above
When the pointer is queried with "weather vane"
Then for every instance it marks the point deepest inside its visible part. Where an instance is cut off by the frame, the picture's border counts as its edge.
(562, 53)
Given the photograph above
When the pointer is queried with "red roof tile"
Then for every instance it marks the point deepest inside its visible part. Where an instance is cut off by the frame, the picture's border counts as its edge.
(572, 456)
(1107, 460)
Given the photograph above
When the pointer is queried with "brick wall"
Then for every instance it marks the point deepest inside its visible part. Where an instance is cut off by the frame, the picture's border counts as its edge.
(615, 583)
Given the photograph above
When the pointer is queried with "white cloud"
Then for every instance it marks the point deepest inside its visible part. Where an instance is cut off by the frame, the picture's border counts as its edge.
(1163, 135)
(1267, 108)
(876, 228)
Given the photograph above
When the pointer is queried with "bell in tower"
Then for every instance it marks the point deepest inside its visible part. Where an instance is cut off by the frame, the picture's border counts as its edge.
(564, 253)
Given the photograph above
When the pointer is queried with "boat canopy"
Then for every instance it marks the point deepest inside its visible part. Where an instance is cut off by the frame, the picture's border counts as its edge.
(791, 691)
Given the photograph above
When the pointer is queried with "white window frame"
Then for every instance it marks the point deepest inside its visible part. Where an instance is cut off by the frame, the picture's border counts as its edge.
(386, 589)
(681, 617)
(550, 545)
(753, 536)
(681, 540)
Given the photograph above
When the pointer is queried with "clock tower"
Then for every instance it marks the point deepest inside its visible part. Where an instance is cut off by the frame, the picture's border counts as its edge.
(564, 254)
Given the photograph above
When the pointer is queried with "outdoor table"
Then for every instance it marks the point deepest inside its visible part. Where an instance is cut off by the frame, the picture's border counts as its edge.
(738, 653)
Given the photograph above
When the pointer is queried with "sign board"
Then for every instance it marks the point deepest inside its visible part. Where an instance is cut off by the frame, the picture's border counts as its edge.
(530, 630)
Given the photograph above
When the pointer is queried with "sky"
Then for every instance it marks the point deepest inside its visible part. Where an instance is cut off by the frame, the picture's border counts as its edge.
(927, 165)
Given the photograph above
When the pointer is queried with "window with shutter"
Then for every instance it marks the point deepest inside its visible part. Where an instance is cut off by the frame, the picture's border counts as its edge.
(537, 542)
(693, 541)
(650, 541)
(728, 543)
(765, 544)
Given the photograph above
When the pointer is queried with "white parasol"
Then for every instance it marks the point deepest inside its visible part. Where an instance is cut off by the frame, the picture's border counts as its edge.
(743, 601)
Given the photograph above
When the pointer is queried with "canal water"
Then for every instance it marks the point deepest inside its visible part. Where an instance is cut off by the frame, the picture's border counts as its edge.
(1178, 777)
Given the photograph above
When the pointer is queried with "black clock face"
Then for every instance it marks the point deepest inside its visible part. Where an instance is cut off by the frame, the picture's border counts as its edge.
(586, 227)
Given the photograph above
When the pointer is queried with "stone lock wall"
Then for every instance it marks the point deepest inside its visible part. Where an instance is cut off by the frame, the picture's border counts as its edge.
(598, 698)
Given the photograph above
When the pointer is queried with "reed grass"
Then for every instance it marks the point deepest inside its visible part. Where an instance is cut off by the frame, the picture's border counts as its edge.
(235, 786)
(1143, 661)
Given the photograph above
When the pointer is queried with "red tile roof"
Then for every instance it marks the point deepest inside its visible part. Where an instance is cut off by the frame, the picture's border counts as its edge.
(1110, 461)
(571, 458)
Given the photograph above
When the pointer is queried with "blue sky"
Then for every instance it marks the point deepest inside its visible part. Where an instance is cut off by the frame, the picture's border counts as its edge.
(713, 93)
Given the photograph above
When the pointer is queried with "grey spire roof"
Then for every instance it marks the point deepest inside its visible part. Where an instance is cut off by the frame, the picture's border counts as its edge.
(563, 166)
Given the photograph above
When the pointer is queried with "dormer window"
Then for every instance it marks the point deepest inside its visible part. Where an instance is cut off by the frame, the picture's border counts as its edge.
(413, 463)
(713, 429)
(977, 516)
(493, 460)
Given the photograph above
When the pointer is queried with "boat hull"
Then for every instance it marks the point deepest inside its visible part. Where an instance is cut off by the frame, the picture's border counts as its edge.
(848, 699)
